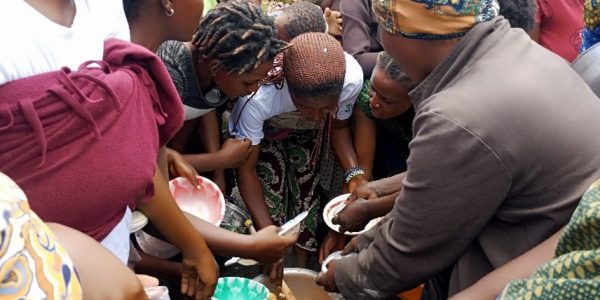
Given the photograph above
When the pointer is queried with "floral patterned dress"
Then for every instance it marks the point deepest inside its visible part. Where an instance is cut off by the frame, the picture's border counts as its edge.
(32, 264)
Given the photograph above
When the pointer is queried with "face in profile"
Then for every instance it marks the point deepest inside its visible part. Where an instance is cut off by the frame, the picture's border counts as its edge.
(315, 108)
(389, 98)
(237, 85)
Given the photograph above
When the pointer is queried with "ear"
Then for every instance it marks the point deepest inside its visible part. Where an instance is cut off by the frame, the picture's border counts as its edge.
(215, 66)
(167, 4)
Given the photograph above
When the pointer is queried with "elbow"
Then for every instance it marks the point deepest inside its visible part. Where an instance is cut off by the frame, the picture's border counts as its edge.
(134, 291)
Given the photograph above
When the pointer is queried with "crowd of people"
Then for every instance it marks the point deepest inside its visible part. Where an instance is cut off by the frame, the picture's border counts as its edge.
(470, 128)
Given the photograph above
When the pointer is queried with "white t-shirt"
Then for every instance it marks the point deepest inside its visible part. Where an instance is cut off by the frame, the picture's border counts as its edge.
(247, 120)
(33, 44)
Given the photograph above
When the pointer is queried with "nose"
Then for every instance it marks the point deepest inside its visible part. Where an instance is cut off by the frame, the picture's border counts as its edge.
(374, 102)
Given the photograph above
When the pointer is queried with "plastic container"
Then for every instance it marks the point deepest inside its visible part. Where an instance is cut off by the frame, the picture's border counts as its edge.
(238, 288)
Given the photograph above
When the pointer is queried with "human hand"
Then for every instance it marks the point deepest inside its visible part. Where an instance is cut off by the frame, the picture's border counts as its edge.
(363, 191)
(334, 241)
(334, 21)
(200, 274)
(235, 151)
(356, 182)
(268, 246)
(180, 167)
(352, 246)
(327, 280)
(275, 272)
(354, 217)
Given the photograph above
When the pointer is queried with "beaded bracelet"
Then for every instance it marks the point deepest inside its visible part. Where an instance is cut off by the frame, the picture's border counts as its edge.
(352, 173)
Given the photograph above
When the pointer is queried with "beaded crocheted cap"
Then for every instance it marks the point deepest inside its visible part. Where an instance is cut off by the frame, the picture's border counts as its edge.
(314, 65)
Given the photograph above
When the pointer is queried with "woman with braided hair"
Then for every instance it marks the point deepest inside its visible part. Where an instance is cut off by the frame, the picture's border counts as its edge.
(207, 73)
(280, 179)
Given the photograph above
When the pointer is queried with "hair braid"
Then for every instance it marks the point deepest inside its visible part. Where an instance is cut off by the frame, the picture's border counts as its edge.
(239, 35)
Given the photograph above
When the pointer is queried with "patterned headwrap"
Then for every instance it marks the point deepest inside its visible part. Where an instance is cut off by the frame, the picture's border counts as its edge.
(433, 19)
(591, 31)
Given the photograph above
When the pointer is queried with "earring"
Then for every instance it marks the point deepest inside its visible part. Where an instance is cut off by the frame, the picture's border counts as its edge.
(170, 12)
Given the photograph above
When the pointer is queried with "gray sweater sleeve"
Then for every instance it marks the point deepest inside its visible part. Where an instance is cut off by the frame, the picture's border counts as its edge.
(453, 186)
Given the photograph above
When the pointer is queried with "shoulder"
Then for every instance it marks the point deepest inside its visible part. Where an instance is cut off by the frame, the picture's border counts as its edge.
(353, 79)
(109, 15)
(174, 54)
(354, 74)
(355, 7)
(271, 101)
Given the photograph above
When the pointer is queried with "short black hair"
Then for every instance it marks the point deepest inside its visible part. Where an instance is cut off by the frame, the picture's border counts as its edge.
(386, 63)
(303, 17)
(519, 13)
(239, 35)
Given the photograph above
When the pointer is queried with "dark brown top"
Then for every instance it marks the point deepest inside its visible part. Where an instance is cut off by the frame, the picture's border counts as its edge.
(505, 144)
(359, 36)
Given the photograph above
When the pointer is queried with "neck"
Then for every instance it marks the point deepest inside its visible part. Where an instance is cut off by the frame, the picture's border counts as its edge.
(61, 12)
(202, 68)
(431, 54)
(148, 30)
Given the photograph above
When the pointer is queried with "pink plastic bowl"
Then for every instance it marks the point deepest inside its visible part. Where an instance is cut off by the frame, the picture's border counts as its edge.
(206, 202)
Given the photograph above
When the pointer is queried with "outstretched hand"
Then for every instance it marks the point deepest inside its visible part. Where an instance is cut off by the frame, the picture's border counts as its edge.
(327, 280)
(334, 241)
(354, 217)
(180, 167)
(235, 151)
(268, 246)
(199, 276)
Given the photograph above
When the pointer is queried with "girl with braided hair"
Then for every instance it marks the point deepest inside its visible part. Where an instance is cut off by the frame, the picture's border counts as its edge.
(231, 53)
(281, 177)
(202, 70)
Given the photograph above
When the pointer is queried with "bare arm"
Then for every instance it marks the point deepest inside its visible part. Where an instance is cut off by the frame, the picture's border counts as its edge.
(364, 140)
(387, 186)
(232, 154)
(490, 286)
(104, 276)
(251, 190)
(169, 220)
(380, 207)
(208, 130)
(342, 145)
(200, 271)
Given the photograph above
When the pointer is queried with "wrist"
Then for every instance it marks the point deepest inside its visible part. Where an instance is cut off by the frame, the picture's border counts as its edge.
(353, 173)
(367, 208)
(222, 159)
(195, 247)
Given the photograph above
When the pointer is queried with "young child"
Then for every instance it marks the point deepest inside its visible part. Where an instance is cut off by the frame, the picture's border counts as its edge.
(280, 178)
